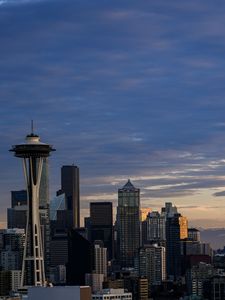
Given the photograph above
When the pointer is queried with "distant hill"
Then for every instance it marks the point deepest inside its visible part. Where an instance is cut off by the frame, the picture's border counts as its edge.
(214, 236)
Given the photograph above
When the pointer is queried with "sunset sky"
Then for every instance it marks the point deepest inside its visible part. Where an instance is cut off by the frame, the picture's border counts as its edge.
(123, 89)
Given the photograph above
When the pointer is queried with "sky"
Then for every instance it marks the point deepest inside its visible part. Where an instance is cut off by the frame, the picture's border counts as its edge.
(122, 89)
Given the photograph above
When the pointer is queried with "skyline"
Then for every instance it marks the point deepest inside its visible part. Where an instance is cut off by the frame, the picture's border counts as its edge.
(122, 90)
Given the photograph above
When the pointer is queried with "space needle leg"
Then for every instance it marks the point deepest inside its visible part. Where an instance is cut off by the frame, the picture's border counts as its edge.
(22, 281)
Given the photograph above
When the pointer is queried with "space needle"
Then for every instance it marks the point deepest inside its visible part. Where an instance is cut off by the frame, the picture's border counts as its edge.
(33, 152)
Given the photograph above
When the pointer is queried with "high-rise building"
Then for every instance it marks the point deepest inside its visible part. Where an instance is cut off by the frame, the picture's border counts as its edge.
(70, 185)
(18, 198)
(95, 281)
(217, 287)
(33, 153)
(10, 260)
(5, 285)
(61, 223)
(79, 258)
(100, 258)
(58, 275)
(176, 230)
(194, 234)
(44, 200)
(57, 204)
(183, 227)
(152, 264)
(169, 210)
(143, 288)
(59, 250)
(11, 252)
(101, 224)
(156, 227)
(144, 213)
(16, 214)
(197, 278)
(15, 280)
(173, 246)
(144, 240)
(128, 223)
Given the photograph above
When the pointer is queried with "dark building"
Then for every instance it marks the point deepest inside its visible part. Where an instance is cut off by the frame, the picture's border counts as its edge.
(11, 250)
(79, 258)
(59, 250)
(16, 214)
(128, 223)
(16, 217)
(5, 285)
(144, 237)
(62, 223)
(217, 288)
(101, 224)
(18, 198)
(87, 225)
(194, 234)
(173, 246)
(70, 185)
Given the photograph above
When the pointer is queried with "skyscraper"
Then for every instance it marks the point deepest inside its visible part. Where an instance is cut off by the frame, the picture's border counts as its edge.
(44, 201)
(193, 234)
(169, 210)
(101, 225)
(183, 227)
(156, 227)
(152, 264)
(18, 198)
(33, 153)
(11, 252)
(70, 185)
(61, 223)
(128, 223)
(79, 258)
(100, 258)
(173, 246)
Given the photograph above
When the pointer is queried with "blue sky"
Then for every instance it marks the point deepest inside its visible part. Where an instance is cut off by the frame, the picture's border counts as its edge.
(124, 89)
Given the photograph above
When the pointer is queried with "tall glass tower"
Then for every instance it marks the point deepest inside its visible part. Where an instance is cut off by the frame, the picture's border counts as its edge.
(128, 222)
(33, 153)
(70, 185)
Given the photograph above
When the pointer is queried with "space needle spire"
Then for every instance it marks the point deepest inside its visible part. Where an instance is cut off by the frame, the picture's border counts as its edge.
(32, 152)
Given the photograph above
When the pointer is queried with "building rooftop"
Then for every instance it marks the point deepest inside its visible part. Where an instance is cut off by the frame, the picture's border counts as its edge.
(128, 186)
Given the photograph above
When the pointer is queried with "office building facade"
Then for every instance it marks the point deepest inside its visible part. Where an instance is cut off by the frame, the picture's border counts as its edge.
(11, 252)
(101, 225)
(70, 186)
(79, 258)
(156, 227)
(193, 234)
(173, 246)
(128, 223)
(152, 264)
(100, 258)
